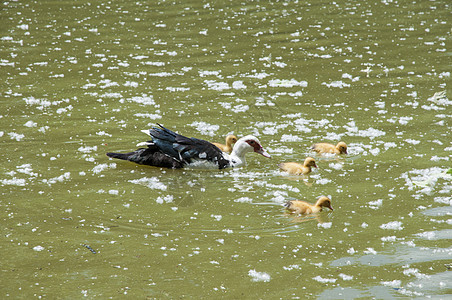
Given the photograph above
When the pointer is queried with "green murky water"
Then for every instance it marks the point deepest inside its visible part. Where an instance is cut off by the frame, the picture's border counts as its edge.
(80, 79)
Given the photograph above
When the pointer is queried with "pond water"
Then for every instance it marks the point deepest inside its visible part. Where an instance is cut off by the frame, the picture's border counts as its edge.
(82, 79)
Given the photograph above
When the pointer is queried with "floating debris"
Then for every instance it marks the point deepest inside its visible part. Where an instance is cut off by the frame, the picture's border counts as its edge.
(440, 98)
(431, 180)
(90, 249)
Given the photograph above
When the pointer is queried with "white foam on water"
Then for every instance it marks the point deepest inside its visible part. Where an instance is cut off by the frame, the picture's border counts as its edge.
(395, 225)
(443, 200)
(217, 217)
(413, 142)
(244, 200)
(165, 199)
(393, 284)
(143, 99)
(323, 181)
(235, 108)
(324, 280)
(152, 183)
(87, 149)
(429, 235)
(351, 251)
(346, 277)
(375, 204)
(238, 85)
(205, 128)
(26, 169)
(290, 138)
(370, 133)
(208, 73)
(440, 98)
(217, 86)
(389, 145)
(325, 225)
(259, 276)
(102, 167)
(336, 166)
(370, 251)
(177, 89)
(14, 181)
(287, 83)
(16, 136)
(154, 63)
(149, 116)
(111, 95)
(336, 84)
(61, 178)
(103, 133)
(131, 84)
(30, 124)
(415, 272)
(161, 74)
(392, 238)
(281, 149)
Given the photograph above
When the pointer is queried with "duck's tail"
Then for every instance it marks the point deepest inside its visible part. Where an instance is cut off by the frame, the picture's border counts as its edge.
(135, 156)
(150, 157)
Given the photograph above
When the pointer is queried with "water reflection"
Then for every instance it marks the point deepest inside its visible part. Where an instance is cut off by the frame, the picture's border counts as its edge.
(308, 179)
(319, 217)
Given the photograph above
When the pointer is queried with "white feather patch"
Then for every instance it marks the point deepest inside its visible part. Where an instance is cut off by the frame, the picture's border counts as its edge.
(146, 131)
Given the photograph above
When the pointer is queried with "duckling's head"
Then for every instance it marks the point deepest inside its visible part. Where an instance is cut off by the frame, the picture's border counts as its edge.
(342, 147)
(324, 202)
(310, 162)
(231, 139)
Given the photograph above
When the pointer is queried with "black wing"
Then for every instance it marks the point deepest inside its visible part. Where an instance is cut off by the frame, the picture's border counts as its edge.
(172, 150)
(186, 149)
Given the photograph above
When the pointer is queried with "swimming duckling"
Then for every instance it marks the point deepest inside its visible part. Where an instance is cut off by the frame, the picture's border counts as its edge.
(302, 207)
(340, 148)
(230, 139)
(294, 168)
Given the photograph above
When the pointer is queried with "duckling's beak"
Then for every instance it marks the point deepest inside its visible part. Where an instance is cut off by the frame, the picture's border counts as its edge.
(315, 165)
(330, 207)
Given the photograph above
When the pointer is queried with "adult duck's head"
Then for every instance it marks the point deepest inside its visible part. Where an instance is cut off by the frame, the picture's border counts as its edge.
(247, 144)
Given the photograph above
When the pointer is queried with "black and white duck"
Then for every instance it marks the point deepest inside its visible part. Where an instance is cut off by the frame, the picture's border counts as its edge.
(168, 149)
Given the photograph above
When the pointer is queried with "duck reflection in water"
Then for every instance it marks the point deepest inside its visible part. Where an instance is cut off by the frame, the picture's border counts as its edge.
(306, 179)
(297, 218)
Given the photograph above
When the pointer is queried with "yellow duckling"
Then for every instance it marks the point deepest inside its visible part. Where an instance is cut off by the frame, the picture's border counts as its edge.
(302, 207)
(230, 139)
(294, 168)
(340, 148)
